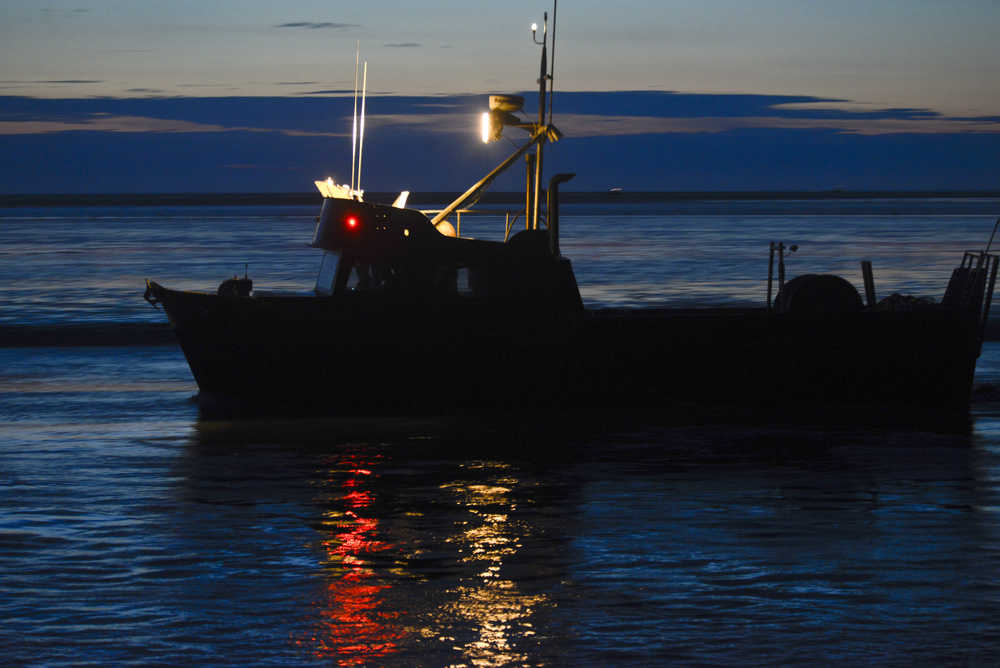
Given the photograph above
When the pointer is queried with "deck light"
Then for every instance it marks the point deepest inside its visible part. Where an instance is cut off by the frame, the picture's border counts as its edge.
(486, 128)
(492, 124)
(499, 115)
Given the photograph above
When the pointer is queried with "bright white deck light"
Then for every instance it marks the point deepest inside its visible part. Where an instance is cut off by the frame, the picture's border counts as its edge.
(485, 126)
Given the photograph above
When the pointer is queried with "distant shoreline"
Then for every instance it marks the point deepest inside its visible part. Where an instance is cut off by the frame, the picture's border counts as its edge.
(423, 198)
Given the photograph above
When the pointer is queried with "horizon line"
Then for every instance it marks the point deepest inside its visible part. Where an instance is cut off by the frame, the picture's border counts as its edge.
(18, 200)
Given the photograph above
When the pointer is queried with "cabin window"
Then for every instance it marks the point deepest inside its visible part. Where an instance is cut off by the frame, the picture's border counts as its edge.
(327, 272)
(374, 277)
(358, 276)
(463, 279)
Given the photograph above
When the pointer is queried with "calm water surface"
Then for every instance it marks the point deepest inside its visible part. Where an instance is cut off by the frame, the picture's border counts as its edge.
(62, 265)
(134, 531)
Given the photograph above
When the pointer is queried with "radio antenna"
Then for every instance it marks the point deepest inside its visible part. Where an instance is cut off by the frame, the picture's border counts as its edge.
(354, 131)
(361, 135)
(552, 61)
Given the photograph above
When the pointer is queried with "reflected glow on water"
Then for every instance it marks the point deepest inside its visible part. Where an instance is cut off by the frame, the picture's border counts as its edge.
(490, 602)
(284, 544)
(354, 626)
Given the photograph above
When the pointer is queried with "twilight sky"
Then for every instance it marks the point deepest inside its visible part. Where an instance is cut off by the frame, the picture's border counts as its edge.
(185, 95)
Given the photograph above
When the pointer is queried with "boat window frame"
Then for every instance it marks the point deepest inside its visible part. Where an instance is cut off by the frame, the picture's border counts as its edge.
(326, 277)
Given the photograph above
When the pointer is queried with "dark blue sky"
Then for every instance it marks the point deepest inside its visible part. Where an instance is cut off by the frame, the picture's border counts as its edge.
(253, 95)
(638, 140)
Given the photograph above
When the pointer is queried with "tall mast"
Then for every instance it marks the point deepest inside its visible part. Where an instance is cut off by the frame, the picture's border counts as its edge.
(542, 83)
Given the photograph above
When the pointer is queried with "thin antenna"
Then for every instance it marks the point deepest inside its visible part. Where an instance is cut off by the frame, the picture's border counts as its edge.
(552, 62)
(543, 73)
(354, 131)
(995, 226)
(361, 138)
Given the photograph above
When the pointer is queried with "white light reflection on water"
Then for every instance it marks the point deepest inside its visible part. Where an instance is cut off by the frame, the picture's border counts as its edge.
(491, 601)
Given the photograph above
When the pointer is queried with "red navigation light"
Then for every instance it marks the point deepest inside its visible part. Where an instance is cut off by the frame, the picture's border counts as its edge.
(351, 222)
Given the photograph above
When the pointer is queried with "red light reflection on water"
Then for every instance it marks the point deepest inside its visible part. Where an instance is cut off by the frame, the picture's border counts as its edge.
(359, 499)
(353, 629)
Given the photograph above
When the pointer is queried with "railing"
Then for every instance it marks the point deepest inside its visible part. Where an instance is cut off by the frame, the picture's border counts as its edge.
(970, 288)
(509, 219)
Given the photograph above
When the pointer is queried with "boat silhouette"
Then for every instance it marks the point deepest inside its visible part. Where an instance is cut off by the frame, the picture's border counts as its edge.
(409, 317)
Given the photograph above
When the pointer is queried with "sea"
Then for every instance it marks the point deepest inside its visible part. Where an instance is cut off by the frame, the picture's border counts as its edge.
(136, 531)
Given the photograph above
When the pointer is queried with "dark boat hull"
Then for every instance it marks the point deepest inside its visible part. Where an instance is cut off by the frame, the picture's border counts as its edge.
(345, 356)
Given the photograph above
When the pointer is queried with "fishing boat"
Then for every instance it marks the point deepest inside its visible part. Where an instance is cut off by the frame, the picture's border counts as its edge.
(407, 316)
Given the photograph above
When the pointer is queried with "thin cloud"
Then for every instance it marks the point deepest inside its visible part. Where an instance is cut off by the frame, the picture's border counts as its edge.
(56, 81)
(857, 109)
(314, 25)
(402, 45)
(332, 91)
(608, 125)
(586, 125)
(103, 122)
(593, 116)
(994, 119)
(106, 123)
